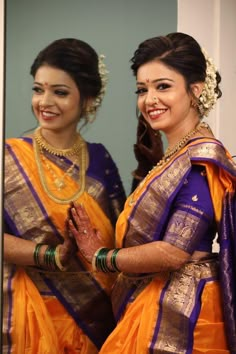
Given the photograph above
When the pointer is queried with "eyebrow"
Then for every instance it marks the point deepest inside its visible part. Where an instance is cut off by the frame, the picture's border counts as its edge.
(154, 81)
(55, 85)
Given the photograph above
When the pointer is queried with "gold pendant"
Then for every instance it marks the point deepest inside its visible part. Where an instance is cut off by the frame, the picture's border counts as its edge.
(59, 183)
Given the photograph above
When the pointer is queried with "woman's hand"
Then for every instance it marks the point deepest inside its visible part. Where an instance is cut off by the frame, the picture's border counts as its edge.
(87, 238)
(67, 249)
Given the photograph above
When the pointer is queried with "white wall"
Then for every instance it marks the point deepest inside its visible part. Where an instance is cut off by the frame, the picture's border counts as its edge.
(113, 28)
(213, 24)
(1, 129)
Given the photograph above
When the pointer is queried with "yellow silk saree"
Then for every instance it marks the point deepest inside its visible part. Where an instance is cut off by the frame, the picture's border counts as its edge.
(189, 310)
(55, 312)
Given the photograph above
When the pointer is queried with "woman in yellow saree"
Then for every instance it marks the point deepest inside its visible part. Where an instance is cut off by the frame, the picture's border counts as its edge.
(173, 294)
(52, 302)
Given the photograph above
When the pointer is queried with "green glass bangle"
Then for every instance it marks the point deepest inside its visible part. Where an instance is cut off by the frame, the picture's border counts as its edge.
(49, 258)
(113, 259)
(36, 253)
(101, 260)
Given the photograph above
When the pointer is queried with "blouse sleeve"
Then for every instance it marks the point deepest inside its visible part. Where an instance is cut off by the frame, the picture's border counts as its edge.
(108, 173)
(191, 225)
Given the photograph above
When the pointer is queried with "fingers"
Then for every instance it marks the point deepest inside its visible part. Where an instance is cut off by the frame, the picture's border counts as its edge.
(73, 229)
(80, 219)
(79, 223)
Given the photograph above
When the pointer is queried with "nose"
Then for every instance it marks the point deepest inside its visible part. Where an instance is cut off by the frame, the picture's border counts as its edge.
(45, 100)
(151, 98)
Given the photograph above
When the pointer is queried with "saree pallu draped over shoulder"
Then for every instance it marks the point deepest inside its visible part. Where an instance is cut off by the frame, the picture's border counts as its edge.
(181, 311)
(35, 299)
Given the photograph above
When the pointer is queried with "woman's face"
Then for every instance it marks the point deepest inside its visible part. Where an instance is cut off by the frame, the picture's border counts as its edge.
(55, 99)
(162, 97)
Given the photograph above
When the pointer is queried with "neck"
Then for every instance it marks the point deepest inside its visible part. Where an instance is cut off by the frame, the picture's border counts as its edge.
(54, 146)
(58, 139)
(180, 132)
(195, 131)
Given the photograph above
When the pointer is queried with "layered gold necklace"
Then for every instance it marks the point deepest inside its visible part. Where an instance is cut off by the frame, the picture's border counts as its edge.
(79, 153)
(170, 152)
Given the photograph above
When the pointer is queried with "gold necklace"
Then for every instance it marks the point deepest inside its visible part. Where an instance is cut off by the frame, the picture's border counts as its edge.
(168, 154)
(181, 143)
(74, 150)
(59, 182)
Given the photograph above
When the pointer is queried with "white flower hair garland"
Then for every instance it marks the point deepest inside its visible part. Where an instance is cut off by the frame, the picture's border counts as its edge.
(208, 96)
(104, 79)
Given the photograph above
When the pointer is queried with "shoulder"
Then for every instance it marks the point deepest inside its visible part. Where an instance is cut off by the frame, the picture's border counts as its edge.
(15, 142)
(203, 146)
(213, 151)
(17, 147)
(98, 149)
(100, 156)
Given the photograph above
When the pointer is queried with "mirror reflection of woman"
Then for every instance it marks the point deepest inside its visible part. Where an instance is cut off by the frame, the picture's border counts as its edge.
(52, 304)
(173, 294)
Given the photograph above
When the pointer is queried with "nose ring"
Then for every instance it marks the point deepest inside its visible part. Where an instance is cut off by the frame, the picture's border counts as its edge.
(155, 98)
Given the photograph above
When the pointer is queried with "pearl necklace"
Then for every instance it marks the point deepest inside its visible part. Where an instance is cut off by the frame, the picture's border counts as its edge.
(79, 148)
(170, 153)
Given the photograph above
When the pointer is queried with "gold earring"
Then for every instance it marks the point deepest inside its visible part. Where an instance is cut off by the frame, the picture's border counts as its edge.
(194, 102)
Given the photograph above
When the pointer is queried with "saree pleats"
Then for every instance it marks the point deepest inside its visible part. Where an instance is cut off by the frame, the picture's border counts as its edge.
(33, 331)
(42, 325)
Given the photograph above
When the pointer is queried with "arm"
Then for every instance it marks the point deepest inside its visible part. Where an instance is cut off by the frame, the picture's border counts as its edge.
(191, 218)
(21, 252)
(152, 257)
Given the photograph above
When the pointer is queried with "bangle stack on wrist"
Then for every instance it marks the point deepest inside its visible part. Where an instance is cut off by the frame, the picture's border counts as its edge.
(51, 260)
(99, 262)
(36, 254)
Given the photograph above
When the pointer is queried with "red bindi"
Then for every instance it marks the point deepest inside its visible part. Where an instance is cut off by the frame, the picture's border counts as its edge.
(147, 80)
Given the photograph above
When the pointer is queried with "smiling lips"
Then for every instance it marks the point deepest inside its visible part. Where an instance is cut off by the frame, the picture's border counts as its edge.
(155, 113)
(48, 115)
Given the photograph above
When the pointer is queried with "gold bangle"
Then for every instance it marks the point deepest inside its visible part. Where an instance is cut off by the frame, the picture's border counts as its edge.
(57, 260)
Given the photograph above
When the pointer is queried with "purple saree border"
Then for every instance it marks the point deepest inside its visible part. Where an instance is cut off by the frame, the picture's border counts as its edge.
(168, 203)
(192, 319)
(228, 267)
(121, 309)
(196, 311)
(34, 193)
(95, 339)
(157, 327)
